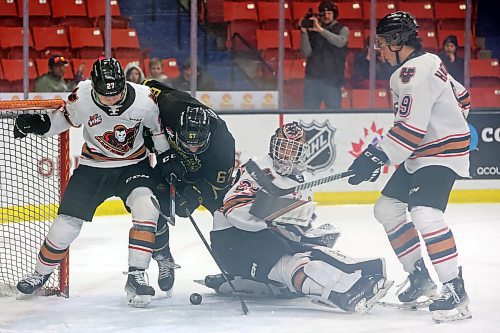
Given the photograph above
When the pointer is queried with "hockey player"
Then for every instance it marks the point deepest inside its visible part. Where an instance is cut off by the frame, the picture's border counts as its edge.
(201, 158)
(250, 246)
(113, 162)
(430, 142)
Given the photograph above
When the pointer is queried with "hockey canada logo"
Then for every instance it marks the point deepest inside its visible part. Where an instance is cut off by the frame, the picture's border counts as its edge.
(120, 140)
(322, 152)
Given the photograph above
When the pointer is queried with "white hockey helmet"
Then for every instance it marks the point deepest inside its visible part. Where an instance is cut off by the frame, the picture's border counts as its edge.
(288, 149)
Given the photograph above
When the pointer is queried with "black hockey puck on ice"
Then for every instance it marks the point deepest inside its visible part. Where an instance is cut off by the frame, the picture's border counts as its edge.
(195, 299)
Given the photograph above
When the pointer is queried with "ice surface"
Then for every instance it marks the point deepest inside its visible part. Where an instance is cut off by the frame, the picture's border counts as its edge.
(99, 256)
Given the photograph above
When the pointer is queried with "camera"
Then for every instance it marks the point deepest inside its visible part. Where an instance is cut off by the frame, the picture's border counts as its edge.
(306, 22)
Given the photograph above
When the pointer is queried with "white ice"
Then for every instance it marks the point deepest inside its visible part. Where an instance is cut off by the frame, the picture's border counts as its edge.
(99, 256)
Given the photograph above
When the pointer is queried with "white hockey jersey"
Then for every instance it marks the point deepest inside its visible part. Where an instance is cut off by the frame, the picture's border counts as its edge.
(430, 108)
(235, 211)
(112, 134)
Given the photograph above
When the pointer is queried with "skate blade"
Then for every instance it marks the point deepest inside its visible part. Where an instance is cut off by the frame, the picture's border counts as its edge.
(365, 305)
(168, 293)
(448, 316)
(413, 306)
(138, 301)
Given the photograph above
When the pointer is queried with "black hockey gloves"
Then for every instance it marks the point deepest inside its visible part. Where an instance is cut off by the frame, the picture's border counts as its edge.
(171, 163)
(189, 198)
(367, 166)
(31, 123)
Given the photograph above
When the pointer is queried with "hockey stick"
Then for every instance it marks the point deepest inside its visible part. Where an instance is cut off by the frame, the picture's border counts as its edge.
(242, 302)
(173, 179)
(158, 208)
(267, 183)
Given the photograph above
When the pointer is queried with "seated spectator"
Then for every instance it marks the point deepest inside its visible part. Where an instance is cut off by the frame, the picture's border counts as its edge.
(453, 63)
(133, 72)
(204, 80)
(156, 70)
(53, 80)
(361, 69)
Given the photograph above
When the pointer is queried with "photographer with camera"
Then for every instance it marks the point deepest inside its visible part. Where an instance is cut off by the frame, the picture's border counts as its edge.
(324, 43)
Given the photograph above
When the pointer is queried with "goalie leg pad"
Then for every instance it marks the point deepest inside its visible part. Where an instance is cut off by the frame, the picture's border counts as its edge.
(438, 239)
(371, 266)
(402, 234)
(142, 233)
(62, 233)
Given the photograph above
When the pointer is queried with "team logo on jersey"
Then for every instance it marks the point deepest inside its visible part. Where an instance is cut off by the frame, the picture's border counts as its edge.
(94, 120)
(120, 140)
(322, 152)
(406, 74)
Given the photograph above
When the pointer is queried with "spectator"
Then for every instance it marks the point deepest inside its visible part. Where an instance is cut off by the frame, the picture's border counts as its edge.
(133, 72)
(53, 80)
(453, 63)
(156, 70)
(204, 80)
(361, 69)
(324, 43)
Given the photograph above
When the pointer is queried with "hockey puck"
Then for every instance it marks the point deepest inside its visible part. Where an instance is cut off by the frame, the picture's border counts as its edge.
(195, 299)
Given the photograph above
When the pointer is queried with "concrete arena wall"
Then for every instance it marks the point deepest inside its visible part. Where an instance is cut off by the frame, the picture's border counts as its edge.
(351, 133)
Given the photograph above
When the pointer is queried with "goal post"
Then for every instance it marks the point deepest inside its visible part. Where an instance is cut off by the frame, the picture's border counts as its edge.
(34, 172)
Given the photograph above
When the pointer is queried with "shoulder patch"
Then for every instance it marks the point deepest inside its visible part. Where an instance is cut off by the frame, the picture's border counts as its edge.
(406, 74)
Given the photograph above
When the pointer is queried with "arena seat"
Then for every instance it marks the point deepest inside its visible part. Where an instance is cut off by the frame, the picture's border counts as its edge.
(72, 13)
(50, 40)
(84, 64)
(11, 42)
(241, 19)
(86, 42)
(382, 9)
(484, 73)
(39, 11)
(96, 9)
(356, 39)
(268, 14)
(8, 14)
(13, 69)
(361, 99)
(125, 43)
(488, 97)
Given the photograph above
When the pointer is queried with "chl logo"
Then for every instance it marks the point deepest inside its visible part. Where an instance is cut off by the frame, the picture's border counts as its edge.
(322, 152)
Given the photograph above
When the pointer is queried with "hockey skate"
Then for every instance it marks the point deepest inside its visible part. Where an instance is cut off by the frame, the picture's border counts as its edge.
(453, 304)
(325, 235)
(421, 285)
(32, 283)
(362, 296)
(166, 273)
(139, 292)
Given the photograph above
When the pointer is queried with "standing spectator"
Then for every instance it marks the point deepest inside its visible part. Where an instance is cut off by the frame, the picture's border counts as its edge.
(324, 43)
(133, 72)
(453, 63)
(361, 69)
(156, 70)
(204, 81)
(53, 80)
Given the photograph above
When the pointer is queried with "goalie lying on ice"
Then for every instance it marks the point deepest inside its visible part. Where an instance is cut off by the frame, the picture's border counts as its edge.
(270, 240)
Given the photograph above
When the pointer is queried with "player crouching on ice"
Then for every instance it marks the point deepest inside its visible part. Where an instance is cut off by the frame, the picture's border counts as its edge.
(251, 239)
(114, 162)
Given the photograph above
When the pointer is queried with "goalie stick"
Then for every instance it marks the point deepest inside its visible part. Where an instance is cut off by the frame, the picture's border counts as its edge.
(267, 183)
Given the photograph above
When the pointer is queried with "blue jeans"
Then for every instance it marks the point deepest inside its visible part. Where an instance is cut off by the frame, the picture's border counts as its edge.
(321, 90)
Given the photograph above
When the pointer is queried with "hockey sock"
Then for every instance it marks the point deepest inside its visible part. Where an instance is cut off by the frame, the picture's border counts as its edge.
(62, 232)
(439, 241)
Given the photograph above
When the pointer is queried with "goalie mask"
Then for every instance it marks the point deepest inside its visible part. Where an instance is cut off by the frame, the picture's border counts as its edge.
(288, 149)
(193, 130)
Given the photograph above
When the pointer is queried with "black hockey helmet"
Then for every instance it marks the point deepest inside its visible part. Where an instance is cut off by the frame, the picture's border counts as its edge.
(193, 130)
(398, 28)
(288, 148)
(107, 77)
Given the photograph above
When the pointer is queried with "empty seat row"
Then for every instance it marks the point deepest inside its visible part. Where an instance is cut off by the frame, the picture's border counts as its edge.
(85, 42)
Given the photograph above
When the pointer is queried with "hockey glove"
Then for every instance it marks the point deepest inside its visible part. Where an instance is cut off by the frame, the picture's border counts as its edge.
(171, 163)
(31, 123)
(367, 166)
(190, 198)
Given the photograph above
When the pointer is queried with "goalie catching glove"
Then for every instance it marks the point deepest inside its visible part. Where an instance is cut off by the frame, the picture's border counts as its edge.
(366, 167)
(31, 123)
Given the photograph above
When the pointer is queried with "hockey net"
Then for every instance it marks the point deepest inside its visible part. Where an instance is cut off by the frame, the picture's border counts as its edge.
(34, 172)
